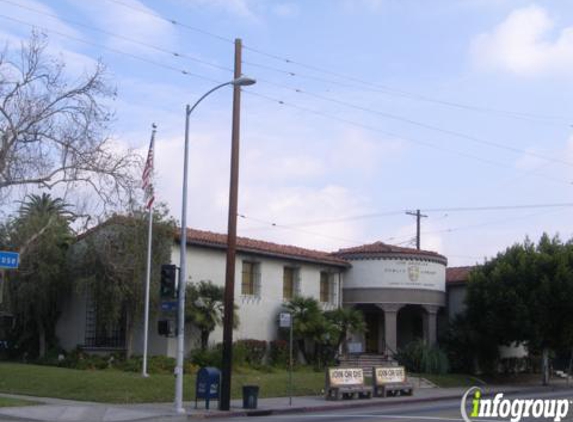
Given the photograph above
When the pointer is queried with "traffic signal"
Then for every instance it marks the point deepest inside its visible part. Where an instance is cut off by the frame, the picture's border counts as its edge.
(166, 327)
(167, 283)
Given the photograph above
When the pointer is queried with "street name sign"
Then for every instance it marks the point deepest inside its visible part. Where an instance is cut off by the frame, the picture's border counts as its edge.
(9, 260)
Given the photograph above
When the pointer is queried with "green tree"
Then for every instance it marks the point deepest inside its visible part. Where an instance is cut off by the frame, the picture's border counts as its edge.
(523, 295)
(42, 234)
(204, 308)
(345, 321)
(111, 262)
(310, 326)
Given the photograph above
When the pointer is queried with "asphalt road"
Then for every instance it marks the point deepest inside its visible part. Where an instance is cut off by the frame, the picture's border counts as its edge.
(416, 412)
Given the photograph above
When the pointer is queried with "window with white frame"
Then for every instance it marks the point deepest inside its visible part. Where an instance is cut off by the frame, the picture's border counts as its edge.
(251, 280)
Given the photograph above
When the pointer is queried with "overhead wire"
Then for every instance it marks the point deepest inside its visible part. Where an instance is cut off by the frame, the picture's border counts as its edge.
(122, 37)
(268, 98)
(380, 87)
(427, 126)
(396, 136)
(298, 90)
(114, 50)
(283, 227)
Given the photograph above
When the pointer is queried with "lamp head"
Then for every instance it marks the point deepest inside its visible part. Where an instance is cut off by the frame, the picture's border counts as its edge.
(244, 81)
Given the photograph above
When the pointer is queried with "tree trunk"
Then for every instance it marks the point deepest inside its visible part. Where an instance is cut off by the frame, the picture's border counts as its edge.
(41, 340)
(128, 337)
(204, 339)
(302, 347)
(569, 367)
(545, 366)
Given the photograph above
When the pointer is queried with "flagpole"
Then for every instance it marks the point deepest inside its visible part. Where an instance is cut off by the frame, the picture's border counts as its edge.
(148, 272)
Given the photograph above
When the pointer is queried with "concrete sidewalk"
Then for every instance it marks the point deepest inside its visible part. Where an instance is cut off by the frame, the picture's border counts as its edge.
(72, 411)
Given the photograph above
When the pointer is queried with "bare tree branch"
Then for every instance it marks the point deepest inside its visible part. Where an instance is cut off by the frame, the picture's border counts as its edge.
(53, 131)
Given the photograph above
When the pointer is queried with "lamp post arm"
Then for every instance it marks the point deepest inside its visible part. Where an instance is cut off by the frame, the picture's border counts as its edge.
(190, 110)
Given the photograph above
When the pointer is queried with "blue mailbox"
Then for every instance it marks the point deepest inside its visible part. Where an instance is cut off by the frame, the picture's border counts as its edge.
(207, 385)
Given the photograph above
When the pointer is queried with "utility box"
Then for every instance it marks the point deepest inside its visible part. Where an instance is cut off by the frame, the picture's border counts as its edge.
(208, 385)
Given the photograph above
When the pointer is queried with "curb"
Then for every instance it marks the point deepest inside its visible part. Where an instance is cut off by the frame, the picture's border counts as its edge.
(347, 405)
(320, 408)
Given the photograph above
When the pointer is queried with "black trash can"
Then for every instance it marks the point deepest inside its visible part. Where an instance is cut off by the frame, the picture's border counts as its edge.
(250, 396)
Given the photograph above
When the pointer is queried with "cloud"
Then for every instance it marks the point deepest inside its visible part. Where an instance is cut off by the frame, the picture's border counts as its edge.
(368, 5)
(289, 207)
(64, 42)
(136, 21)
(34, 13)
(240, 8)
(522, 44)
(286, 10)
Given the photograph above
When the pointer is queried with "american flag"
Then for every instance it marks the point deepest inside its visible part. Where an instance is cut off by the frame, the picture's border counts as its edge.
(147, 184)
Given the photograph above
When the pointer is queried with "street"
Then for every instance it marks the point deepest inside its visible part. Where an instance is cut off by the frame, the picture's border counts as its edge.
(448, 410)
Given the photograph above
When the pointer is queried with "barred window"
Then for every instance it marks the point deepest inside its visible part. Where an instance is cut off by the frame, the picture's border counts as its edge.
(99, 335)
(250, 285)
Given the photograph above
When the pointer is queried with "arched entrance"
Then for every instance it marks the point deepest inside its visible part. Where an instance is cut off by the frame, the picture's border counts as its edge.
(410, 324)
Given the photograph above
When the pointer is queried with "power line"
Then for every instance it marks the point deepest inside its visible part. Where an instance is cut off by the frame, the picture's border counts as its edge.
(394, 135)
(378, 87)
(478, 225)
(280, 226)
(297, 90)
(114, 50)
(419, 124)
(122, 37)
(174, 22)
(281, 102)
(428, 210)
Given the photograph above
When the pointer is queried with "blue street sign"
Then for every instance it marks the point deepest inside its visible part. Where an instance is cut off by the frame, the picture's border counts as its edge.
(9, 259)
(169, 306)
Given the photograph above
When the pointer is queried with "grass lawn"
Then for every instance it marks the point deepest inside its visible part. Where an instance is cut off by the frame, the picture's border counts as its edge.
(452, 380)
(113, 386)
(10, 402)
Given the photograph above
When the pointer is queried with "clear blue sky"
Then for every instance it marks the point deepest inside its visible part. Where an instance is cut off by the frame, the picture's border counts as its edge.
(444, 104)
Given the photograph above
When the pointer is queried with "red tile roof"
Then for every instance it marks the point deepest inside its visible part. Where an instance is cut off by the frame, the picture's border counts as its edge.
(245, 244)
(380, 248)
(458, 274)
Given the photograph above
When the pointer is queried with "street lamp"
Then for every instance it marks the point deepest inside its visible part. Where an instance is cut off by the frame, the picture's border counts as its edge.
(240, 81)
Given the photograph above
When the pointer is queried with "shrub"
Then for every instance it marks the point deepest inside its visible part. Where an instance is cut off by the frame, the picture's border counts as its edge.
(419, 357)
(208, 357)
(255, 351)
(278, 353)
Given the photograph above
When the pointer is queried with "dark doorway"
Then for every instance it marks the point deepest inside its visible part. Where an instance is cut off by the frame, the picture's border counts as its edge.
(371, 335)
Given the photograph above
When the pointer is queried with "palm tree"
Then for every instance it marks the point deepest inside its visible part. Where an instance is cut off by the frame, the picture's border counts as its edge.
(346, 321)
(309, 322)
(42, 234)
(204, 308)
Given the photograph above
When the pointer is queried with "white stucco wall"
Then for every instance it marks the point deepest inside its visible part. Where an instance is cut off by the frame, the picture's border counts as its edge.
(257, 315)
(396, 273)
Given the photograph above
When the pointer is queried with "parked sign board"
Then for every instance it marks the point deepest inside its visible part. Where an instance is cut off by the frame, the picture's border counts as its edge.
(345, 377)
(390, 375)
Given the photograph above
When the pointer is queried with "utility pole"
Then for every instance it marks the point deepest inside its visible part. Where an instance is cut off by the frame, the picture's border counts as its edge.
(225, 400)
(418, 216)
